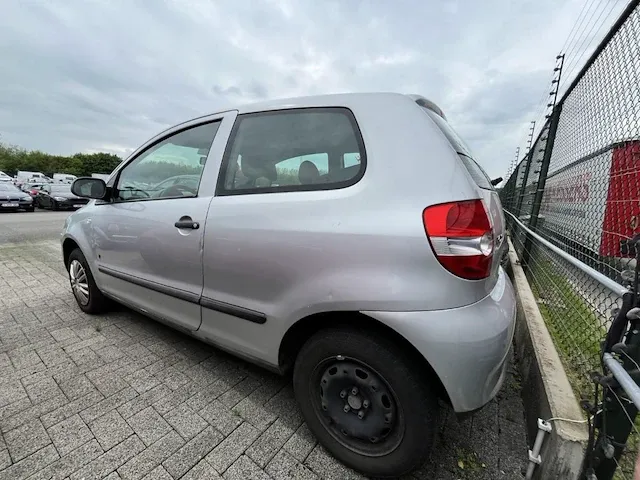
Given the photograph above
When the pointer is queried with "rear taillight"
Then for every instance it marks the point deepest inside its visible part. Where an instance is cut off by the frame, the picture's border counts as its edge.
(461, 236)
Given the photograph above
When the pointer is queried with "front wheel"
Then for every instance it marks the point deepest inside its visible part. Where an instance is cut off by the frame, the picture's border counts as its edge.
(88, 297)
(366, 401)
(54, 205)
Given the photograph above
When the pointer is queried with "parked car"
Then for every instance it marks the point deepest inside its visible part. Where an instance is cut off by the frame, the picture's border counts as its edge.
(12, 198)
(58, 197)
(373, 274)
(32, 188)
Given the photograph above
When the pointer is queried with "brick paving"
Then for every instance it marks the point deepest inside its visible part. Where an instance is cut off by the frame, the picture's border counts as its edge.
(119, 396)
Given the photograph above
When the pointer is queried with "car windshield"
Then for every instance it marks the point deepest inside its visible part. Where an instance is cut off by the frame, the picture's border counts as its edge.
(60, 188)
(8, 188)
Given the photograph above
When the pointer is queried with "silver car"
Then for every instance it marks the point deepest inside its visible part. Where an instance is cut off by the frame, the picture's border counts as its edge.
(350, 240)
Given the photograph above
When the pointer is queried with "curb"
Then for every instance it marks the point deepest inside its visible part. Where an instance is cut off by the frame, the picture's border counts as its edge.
(546, 392)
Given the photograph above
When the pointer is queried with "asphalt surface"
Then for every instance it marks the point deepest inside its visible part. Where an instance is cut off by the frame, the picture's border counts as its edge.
(118, 396)
(16, 227)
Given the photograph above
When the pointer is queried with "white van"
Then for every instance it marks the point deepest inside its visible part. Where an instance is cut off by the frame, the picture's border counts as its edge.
(63, 178)
(25, 176)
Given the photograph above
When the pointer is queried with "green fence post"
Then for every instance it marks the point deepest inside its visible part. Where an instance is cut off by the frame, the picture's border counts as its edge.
(542, 180)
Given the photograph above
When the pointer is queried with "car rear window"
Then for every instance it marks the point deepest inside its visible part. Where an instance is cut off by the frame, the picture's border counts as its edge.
(476, 172)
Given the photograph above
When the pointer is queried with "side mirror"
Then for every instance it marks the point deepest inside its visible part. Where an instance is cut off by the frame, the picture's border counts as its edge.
(496, 181)
(89, 187)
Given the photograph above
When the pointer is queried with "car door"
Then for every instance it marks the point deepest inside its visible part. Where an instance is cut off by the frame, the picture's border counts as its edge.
(148, 239)
(281, 173)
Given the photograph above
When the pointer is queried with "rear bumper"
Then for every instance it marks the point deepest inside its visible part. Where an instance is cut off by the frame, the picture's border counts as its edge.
(467, 347)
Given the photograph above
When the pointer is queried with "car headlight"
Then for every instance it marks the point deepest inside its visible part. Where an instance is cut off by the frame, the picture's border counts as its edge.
(60, 199)
(27, 199)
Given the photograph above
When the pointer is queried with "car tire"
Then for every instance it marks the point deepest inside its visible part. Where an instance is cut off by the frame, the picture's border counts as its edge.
(353, 385)
(87, 294)
(30, 209)
(54, 206)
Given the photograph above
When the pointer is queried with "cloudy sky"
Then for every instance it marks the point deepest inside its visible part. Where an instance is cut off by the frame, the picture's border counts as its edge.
(105, 75)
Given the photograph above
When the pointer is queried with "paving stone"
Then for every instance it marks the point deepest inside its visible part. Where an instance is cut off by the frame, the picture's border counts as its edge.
(76, 387)
(143, 401)
(193, 452)
(142, 381)
(285, 407)
(53, 355)
(69, 434)
(24, 357)
(26, 439)
(109, 353)
(31, 464)
(324, 465)
(109, 461)
(268, 444)
(171, 401)
(110, 429)
(64, 333)
(158, 473)
(201, 374)
(185, 421)
(13, 409)
(4, 358)
(107, 383)
(285, 467)
(232, 447)
(68, 464)
(244, 469)
(172, 378)
(107, 404)
(301, 443)
(221, 417)
(69, 409)
(151, 457)
(238, 392)
(149, 425)
(11, 392)
(202, 471)
(43, 390)
(5, 459)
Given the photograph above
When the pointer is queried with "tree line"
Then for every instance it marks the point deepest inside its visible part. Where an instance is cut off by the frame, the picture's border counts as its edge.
(13, 158)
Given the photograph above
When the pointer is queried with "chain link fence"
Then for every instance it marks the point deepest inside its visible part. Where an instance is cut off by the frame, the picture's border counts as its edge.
(578, 188)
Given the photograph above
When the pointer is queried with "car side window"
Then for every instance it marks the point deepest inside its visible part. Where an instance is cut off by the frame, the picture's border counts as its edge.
(292, 150)
(171, 168)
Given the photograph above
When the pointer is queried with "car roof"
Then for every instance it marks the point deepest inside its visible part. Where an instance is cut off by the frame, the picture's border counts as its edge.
(331, 100)
(328, 100)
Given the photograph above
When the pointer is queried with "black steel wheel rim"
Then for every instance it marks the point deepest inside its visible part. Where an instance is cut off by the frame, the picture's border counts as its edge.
(357, 406)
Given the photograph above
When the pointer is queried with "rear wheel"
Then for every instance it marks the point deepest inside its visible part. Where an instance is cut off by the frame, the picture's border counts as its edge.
(83, 285)
(366, 401)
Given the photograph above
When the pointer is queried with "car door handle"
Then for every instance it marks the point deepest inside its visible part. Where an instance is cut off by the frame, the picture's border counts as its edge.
(187, 223)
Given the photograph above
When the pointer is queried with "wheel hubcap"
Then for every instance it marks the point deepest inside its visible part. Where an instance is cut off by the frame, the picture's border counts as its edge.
(79, 282)
(357, 406)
